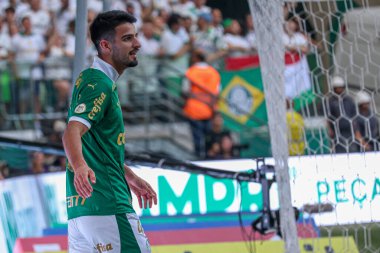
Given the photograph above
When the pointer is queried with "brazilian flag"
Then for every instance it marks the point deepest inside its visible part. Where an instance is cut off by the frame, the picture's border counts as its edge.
(242, 99)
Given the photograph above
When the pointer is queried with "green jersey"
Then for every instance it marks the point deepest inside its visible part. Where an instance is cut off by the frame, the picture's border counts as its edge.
(95, 103)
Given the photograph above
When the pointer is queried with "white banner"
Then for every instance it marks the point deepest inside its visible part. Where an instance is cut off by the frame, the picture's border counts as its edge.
(351, 183)
(297, 78)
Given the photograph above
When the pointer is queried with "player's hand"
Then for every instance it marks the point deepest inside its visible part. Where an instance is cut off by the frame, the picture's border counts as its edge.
(144, 192)
(82, 175)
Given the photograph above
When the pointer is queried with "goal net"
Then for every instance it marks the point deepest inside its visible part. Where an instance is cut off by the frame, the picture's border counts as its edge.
(320, 65)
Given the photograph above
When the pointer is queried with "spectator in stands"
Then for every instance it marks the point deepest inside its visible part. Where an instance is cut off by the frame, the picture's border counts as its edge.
(43, 163)
(63, 17)
(188, 24)
(296, 125)
(207, 40)
(10, 19)
(158, 4)
(217, 20)
(214, 151)
(237, 44)
(159, 23)
(175, 44)
(40, 18)
(215, 132)
(202, 91)
(227, 150)
(123, 5)
(200, 7)
(251, 36)
(38, 163)
(20, 7)
(185, 7)
(5, 44)
(367, 124)
(340, 112)
(297, 73)
(70, 40)
(131, 8)
(28, 52)
(297, 10)
(90, 48)
(294, 40)
(143, 78)
(58, 69)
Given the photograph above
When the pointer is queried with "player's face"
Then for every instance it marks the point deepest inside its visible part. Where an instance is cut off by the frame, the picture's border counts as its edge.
(125, 47)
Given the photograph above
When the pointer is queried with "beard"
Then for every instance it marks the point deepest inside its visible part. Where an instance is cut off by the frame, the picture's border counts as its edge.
(123, 60)
(132, 64)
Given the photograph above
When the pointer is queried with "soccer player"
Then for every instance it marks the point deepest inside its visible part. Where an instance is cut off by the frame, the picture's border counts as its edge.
(98, 184)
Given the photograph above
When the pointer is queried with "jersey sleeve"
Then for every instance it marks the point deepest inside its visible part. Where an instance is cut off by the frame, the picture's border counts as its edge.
(90, 103)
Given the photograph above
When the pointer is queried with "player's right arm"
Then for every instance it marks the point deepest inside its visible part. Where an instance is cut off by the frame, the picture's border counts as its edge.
(72, 143)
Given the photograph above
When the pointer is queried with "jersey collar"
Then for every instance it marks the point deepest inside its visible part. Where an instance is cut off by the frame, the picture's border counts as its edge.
(106, 68)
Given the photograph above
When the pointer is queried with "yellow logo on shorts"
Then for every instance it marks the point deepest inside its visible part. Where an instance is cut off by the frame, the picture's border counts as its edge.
(104, 247)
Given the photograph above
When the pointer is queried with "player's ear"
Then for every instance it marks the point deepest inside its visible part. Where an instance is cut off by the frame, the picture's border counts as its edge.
(105, 46)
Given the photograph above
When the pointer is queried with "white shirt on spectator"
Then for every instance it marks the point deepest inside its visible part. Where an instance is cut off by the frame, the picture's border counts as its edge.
(95, 5)
(209, 41)
(297, 39)
(27, 49)
(40, 21)
(185, 9)
(70, 43)
(158, 4)
(3, 6)
(5, 45)
(198, 11)
(251, 37)
(172, 43)
(122, 5)
(237, 41)
(63, 19)
(51, 5)
(149, 46)
(21, 8)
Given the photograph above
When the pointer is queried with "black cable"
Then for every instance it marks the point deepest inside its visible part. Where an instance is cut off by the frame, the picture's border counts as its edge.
(246, 236)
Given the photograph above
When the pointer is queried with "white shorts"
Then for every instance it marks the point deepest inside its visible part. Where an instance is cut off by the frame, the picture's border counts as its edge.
(107, 234)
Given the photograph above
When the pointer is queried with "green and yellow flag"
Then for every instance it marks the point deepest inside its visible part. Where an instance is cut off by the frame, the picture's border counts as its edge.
(242, 98)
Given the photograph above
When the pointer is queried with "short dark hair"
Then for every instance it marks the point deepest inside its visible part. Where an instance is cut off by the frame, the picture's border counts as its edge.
(173, 19)
(103, 26)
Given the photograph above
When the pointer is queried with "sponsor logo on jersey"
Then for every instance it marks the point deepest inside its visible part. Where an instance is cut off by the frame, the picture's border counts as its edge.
(92, 85)
(97, 105)
(103, 247)
(73, 201)
(79, 80)
(80, 108)
(121, 139)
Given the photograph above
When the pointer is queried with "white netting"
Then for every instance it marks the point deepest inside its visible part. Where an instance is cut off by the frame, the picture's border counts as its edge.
(332, 74)
(269, 19)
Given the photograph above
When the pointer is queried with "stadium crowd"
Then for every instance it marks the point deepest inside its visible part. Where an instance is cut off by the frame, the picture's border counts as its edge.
(37, 46)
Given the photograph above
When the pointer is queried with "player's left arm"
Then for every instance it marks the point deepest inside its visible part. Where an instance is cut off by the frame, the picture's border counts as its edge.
(143, 190)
